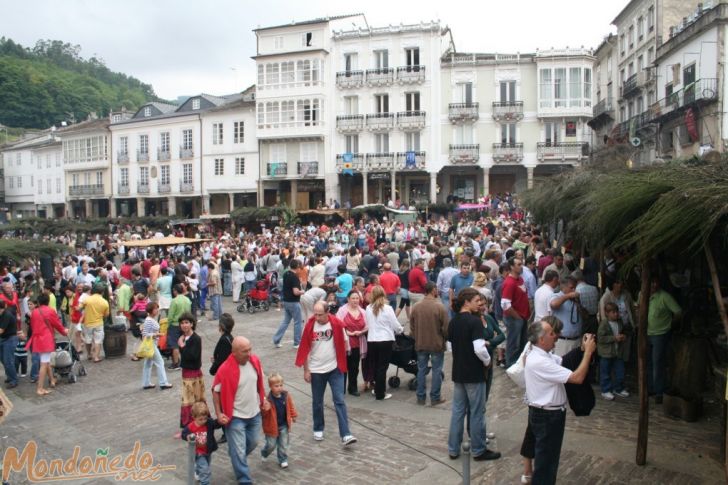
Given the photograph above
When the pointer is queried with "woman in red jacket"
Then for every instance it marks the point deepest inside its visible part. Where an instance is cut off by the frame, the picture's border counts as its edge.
(43, 321)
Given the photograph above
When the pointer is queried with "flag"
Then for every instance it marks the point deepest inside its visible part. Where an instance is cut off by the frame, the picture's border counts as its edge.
(410, 160)
(348, 167)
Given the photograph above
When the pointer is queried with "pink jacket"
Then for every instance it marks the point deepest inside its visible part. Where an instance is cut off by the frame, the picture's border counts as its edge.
(43, 321)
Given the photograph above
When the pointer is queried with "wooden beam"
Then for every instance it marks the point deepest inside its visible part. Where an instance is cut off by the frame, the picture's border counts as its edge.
(644, 306)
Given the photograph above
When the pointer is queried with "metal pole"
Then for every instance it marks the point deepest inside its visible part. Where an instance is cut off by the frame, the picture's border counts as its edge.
(191, 462)
(466, 463)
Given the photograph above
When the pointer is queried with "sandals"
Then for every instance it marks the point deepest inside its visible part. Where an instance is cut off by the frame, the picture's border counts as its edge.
(43, 392)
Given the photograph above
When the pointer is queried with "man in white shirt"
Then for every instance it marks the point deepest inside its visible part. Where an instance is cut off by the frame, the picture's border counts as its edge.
(544, 294)
(546, 395)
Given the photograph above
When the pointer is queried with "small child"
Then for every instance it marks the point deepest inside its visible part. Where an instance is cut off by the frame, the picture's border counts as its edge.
(21, 358)
(277, 420)
(612, 353)
(201, 431)
(140, 304)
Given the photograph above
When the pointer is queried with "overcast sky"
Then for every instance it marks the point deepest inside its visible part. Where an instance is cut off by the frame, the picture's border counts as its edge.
(184, 47)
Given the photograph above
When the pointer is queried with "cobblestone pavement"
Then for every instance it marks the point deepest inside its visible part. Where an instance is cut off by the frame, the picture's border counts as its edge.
(399, 441)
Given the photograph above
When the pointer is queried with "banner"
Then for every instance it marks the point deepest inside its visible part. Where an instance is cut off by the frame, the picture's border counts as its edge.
(348, 159)
(410, 160)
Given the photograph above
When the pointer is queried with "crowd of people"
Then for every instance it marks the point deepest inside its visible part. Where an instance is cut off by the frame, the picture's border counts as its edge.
(483, 288)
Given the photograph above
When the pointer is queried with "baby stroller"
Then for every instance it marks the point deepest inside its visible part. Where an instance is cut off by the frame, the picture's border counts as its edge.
(256, 299)
(404, 356)
(66, 362)
(274, 293)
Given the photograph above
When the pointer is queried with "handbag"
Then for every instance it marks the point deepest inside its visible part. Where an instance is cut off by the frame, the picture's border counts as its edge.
(146, 348)
(517, 371)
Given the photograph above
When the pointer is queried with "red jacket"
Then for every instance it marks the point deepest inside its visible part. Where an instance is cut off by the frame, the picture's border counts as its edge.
(43, 321)
(337, 327)
(228, 375)
(270, 417)
(417, 280)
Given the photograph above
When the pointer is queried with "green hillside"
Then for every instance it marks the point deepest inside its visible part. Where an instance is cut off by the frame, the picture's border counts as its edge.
(50, 83)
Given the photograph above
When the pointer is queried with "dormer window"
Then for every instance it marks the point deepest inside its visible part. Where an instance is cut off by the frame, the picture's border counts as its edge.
(147, 111)
(196, 103)
(307, 39)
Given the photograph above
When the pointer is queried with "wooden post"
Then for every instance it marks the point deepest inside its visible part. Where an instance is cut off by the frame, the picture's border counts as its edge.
(641, 457)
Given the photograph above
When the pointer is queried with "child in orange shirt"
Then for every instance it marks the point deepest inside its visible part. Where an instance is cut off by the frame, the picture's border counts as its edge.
(277, 420)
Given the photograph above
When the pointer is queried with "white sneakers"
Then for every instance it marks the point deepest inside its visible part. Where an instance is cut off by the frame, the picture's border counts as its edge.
(608, 396)
(318, 435)
(278, 345)
(348, 440)
(622, 393)
(284, 464)
(387, 396)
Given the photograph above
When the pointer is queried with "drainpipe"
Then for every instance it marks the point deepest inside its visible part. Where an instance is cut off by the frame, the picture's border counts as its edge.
(202, 171)
(111, 169)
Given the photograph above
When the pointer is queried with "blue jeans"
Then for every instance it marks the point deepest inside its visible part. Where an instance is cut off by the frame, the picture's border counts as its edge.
(514, 332)
(548, 435)
(158, 362)
(335, 379)
(203, 298)
(605, 374)
(34, 366)
(392, 301)
(227, 283)
(242, 436)
(7, 355)
(278, 443)
(423, 358)
(291, 311)
(656, 368)
(216, 306)
(202, 468)
(467, 399)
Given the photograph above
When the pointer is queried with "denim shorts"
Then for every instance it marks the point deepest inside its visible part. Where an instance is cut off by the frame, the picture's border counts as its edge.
(173, 334)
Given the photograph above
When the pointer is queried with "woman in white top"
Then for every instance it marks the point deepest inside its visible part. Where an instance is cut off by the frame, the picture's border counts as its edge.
(382, 324)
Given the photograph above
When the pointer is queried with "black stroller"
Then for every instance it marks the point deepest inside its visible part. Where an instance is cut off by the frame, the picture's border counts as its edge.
(404, 356)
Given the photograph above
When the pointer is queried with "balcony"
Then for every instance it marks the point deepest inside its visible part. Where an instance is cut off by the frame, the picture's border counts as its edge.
(308, 169)
(164, 188)
(629, 87)
(186, 187)
(277, 169)
(411, 160)
(603, 107)
(123, 189)
(464, 154)
(350, 79)
(507, 152)
(380, 162)
(462, 112)
(546, 152)
(163, 155)
(411, 74)
(380, 121)
(142, 157)
(411, 120)
(186, 152)
(349, 123)
(143, 188)
(83, 190)
(699, 93)
(508, 111)
(380, 77)
(355, 165)
(122, 157)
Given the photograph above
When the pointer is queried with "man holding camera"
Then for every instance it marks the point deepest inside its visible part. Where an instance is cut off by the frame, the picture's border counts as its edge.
(565, 306)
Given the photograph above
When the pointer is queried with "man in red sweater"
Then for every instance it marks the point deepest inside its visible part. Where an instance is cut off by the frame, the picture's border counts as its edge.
(390, 282)
(516, 310)
(417, 282)
(239, 397)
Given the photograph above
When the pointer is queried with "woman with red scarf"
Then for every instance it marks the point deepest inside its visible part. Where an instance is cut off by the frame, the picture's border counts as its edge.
(352, 315)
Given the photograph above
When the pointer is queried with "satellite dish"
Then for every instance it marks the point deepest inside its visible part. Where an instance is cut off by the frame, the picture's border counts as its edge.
(635, 141)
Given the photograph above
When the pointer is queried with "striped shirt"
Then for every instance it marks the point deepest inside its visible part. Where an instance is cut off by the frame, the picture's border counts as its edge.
(150, 327)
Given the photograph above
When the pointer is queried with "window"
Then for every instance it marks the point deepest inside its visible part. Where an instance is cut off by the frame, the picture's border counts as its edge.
(288, 74)
(575, 87)
(239, 132)
(381, 142)
(547, 88)
(412, 101)
(20, 181)
(86, 178)
(307, 39)
(412, 141)
(288, 113)
(187, 173)
(560, 87)
(381, 59)
(17, 159)
(40, 187)
(48, 160)
(240, 166)
(164, 142)
(75, 180)
(116, 118)
(11, 182)
(272, 72)
(219, 166)
(309, 112)
(309, 152)
(351, 144)
(350, 62)
(622, 45)
(277, 152)
(570, 129)
(187, 139)
(217, 133)
(38, 160)
(272, 114)
(99, 178)
(507, 91)
(651, 18)
(508, 133)
(412, 56)
(630, 36)
(196, 103)
(640, 28)
(164, 175)
(123, 177)
(123, 145)
(144, 144)
(552, 133)
(587, 86)
(58, 159)
(351, 105)
(58, 185)
(464, 134)
(630, 70)
(48, 186)
(278, 42)
(381, 103)
(143, 175)
(261, 75)
(640, 63)
(307, 72)
(640, 105)
(147, 111)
